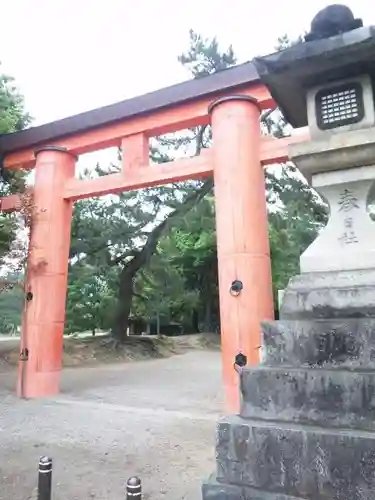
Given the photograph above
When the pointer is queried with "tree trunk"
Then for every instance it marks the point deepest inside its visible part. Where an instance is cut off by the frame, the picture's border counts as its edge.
(124, 303)
(195, 321)
(142, 258)
(207, 315)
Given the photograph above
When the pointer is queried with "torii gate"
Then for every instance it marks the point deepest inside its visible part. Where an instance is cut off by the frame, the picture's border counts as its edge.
(231, 102)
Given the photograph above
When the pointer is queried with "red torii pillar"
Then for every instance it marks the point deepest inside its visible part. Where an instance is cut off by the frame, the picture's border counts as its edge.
(242, 234)
(47, 273)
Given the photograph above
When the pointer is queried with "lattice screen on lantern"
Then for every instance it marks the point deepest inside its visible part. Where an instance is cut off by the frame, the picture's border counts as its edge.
(339, 106)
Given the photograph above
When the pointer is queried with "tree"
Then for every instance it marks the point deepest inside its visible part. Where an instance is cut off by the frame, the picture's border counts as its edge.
(12, 119)
(11, 304)
(196, 257)
(160, 294)
(91, 300)
(137, 221)
(182, 275)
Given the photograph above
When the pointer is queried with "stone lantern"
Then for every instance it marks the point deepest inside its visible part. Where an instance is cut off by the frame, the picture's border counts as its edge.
(306, 429)
(328, 85)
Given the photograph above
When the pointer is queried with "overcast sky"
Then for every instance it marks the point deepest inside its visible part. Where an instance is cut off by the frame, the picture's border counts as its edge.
(69, 56)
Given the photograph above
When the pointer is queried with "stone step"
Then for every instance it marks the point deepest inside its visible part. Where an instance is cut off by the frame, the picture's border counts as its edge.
(337, 398)
(213, 490)
(328, 343)
(301, 461)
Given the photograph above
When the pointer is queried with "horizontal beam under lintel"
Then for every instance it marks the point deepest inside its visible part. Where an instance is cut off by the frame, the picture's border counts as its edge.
(150, 175)
(272, 151)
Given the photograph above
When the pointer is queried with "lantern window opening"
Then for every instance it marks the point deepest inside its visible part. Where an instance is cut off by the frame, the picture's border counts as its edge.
(339, 105)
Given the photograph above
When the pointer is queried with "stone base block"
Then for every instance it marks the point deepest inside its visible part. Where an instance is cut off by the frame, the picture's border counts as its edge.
(301, 461)
(338, 294)
(333, 398)
(213, 490)
(336, 343)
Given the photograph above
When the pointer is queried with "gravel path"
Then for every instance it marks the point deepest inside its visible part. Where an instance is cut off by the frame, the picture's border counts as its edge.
(155, 419)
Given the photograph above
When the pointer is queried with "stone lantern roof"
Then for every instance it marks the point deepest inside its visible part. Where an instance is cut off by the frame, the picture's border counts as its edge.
(289, 73)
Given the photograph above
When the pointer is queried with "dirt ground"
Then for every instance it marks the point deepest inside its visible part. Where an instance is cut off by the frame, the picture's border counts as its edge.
(153, 418)
(90, 351)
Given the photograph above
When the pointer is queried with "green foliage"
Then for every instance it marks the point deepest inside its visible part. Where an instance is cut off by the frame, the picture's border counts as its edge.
(12, 119)
(90, 300)
(204, 57)
(11, 303)
(12, 107)
(181, 280)
(284, 42)
(291, 232)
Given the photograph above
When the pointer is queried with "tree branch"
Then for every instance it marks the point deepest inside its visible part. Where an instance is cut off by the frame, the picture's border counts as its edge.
(144, 255)
(149, 247)
(140, 297)
(117, 260)
(199, 140)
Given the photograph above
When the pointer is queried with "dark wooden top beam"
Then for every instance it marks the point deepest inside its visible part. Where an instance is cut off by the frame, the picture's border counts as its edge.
(226, 80)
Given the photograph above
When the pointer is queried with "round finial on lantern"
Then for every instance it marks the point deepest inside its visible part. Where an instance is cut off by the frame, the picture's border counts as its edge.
(333, 20)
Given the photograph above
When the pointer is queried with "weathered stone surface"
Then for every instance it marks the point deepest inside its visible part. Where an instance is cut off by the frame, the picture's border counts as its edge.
(306, 462)
(307, 423)
(336, 294)
(344, 149)
(213, 490)
(333, 398)
(346, 343)
(349, 235)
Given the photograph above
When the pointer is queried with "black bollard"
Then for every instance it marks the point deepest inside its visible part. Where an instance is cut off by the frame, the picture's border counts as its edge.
(133, 489)
(45, 478)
